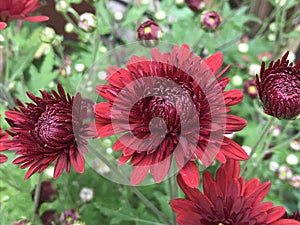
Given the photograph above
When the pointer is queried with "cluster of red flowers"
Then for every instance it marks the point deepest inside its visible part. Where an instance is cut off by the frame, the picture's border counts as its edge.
(170, 108)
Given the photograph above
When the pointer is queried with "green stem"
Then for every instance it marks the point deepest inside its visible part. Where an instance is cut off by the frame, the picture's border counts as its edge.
(133, 189)
(37, 196)
(259, 141)
(172, 195)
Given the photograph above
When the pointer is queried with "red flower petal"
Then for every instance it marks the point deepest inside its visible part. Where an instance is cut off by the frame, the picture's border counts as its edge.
(36, 18)
(190, 174)
(214, 62)
(138, 174)
(77, 160)
(2, 25)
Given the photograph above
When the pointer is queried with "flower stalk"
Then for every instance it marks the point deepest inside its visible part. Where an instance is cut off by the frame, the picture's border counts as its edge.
(37, 196)
(266, 128)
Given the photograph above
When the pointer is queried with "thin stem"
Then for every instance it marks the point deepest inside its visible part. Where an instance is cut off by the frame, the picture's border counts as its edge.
(149, 204)
(259, 141)
(172, 195)
(37, 196)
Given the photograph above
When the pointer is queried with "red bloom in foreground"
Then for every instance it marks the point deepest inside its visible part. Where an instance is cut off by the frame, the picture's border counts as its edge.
(228, 200)
(170, 105)
(18, 10)
(279, 88)
(49, 129)
(3, 145)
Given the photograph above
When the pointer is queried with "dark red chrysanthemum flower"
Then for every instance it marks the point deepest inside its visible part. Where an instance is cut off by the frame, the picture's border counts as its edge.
(228, 200)
(250, 88)
(49, 129)
(170, 105)
(3, 145)
(196, 5)
(294, 216)
(210, 20)
(279, 88)
(149, 33)
(18, 10)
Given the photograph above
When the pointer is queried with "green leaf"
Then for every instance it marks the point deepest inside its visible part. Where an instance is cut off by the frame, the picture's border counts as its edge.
(133, 14)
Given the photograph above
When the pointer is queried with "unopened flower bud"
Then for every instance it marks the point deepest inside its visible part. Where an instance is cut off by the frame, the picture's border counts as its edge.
(237, 80)
(149, 33)
(196, 5)
(87, 22)
(160, 15)
(69, 27)
(62, 6)
(292, 159)
(118, 16)
(210, 20)
(250, 88)
(243, 47)
(48, 35)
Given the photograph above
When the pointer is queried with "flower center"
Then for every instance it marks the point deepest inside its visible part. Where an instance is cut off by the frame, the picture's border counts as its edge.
(252, 89)
(54, 127)
(147, 30)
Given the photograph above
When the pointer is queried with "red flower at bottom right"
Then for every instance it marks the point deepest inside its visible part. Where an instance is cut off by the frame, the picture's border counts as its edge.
(228, 200)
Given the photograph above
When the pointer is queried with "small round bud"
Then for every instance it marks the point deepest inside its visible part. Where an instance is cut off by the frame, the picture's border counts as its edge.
(292, 159)
(48, 35)
(62, 6)
(243, 47)
(145, 2)
(103, 49)
(273, 166)
(254, 69)
(271, 37)
(69, 27)
(160, 15)
(79, 67)
(250, 88)
(87, 22)
(149, 33)
(237, 80)
(179, 2)
(210, 20)
(281, 3)
(2, 39)
(196, 5)
(273, 27)
(118, 16)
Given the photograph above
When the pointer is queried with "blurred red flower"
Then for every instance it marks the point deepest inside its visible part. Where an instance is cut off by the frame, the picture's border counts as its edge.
(18, 10)
(228, 199)
(170, 105)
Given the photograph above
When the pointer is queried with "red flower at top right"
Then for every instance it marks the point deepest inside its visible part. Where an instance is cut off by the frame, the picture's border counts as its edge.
(279, 88)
